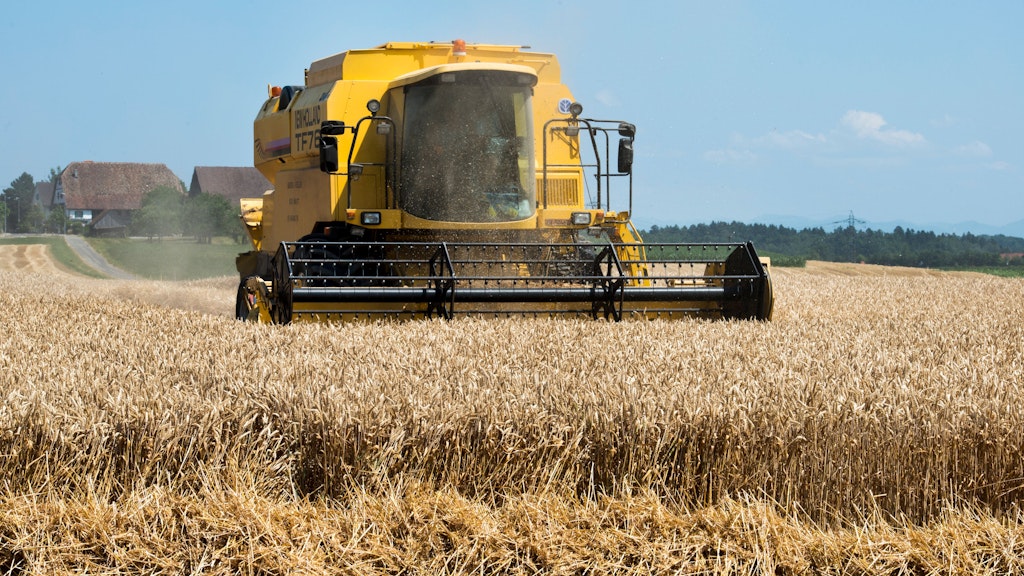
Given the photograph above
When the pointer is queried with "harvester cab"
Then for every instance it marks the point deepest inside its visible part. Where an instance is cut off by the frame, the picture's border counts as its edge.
(417, 180)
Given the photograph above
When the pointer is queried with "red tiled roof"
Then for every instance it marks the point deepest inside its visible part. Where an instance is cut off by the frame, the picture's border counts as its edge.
(230, 182)
(113, 185)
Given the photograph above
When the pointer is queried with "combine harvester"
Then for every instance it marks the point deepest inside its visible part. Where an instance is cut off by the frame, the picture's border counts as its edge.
(418, 180)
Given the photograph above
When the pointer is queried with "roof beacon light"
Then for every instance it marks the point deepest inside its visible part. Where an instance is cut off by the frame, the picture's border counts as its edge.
(458, 47)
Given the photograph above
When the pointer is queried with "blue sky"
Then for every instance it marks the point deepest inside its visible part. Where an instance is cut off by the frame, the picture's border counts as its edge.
(779, 112)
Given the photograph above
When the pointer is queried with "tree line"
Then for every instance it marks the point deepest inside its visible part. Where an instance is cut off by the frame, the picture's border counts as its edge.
(164, 212)
(901, 247)
(19, 213)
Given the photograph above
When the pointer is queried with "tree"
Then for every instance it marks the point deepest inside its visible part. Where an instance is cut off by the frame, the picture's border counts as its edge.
(18, 198)
(160, 214)
(208, 215)
(32, 218)
(57, 221)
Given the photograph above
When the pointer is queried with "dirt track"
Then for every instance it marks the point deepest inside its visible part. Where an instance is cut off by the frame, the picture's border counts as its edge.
(95, 259)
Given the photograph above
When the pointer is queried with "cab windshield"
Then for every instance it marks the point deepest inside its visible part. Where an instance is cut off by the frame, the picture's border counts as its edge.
(467, 148)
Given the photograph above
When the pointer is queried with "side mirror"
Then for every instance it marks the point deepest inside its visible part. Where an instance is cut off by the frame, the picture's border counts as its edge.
(328, 154)
(625, 155)
(332, 127)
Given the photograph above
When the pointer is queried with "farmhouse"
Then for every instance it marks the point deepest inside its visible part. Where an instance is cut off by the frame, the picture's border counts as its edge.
(233, 183)
(103, 195)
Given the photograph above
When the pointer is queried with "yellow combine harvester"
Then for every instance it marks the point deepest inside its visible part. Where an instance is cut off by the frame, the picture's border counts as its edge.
(421, 180)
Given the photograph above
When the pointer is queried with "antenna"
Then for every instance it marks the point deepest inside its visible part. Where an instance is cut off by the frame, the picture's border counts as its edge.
(850, 222)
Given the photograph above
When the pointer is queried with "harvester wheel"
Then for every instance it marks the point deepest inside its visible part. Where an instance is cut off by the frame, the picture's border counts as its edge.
(325, 260)
(339, 264)
(246, 308)
(242, 302)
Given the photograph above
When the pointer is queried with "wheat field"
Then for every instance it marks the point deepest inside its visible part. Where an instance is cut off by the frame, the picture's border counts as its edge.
(875, 426)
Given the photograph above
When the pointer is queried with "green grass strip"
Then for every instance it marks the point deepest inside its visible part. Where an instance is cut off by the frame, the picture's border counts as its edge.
(170, 259)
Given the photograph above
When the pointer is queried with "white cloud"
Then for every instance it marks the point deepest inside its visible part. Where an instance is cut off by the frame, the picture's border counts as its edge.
(975, 149)
(607, 98)
(863, 124)
(746, 151)
(791, 139)
(1000, 165)
(871, 126)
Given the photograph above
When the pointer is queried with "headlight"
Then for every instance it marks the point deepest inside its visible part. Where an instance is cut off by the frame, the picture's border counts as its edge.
(369, 218)
(581, 218)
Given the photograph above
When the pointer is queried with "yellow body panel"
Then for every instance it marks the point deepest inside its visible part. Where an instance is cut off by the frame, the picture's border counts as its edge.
(252, 218)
